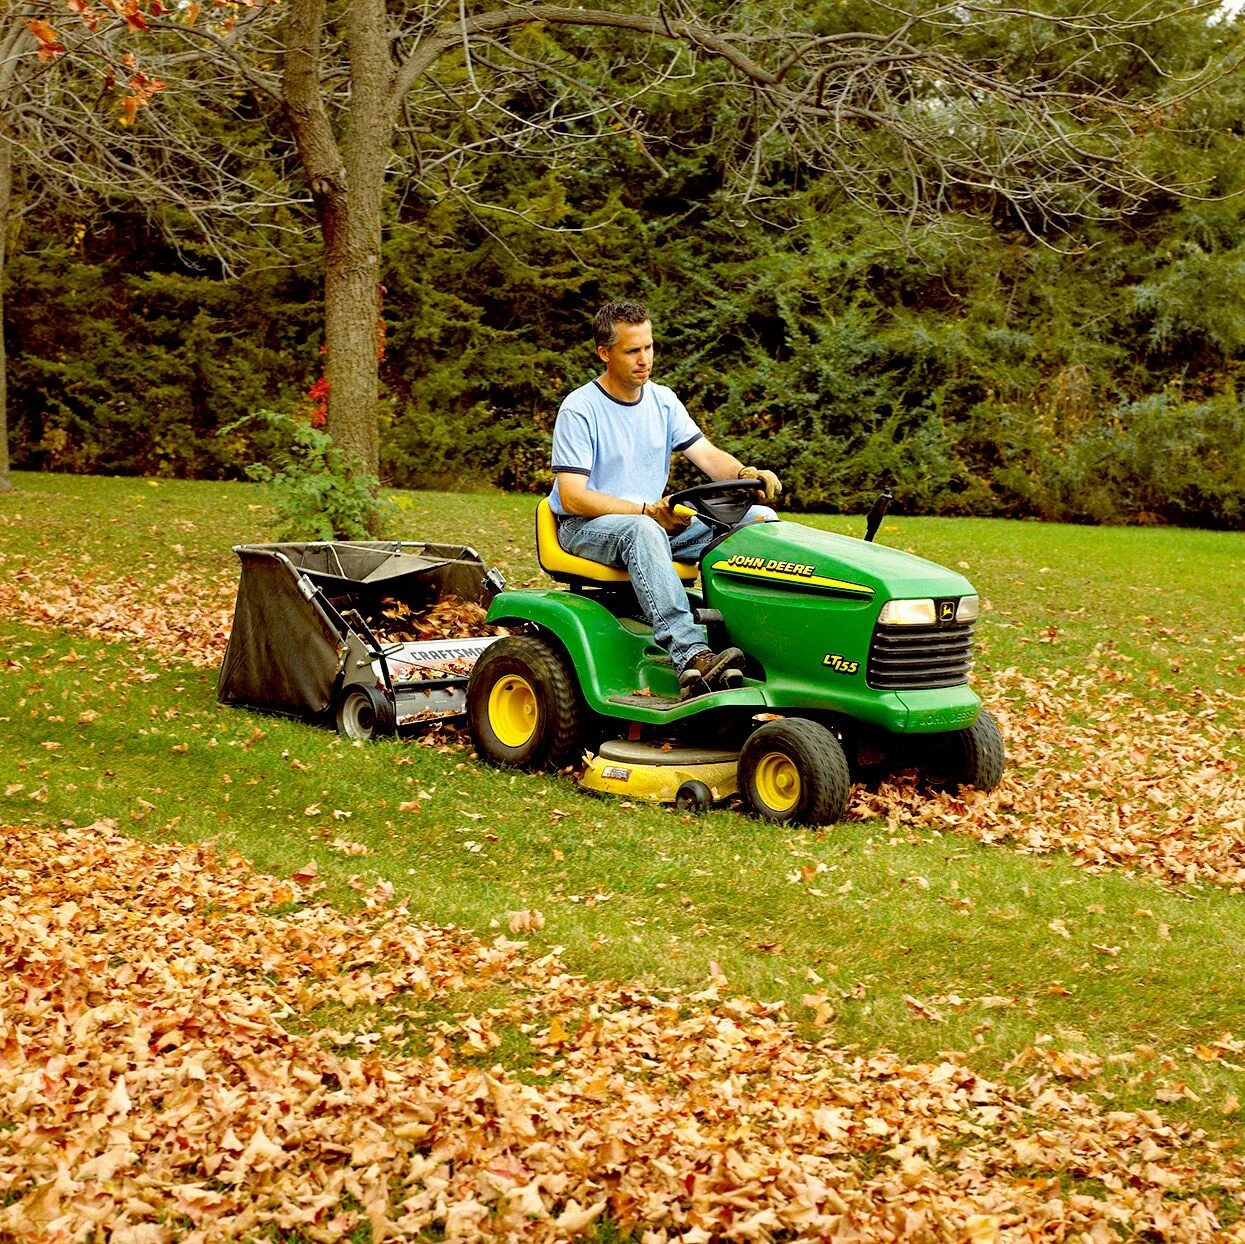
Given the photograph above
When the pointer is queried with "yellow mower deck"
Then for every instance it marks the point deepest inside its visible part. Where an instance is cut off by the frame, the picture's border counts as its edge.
(655, 771)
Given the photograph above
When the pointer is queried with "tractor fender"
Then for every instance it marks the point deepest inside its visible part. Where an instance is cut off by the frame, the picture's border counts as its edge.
(604, 654)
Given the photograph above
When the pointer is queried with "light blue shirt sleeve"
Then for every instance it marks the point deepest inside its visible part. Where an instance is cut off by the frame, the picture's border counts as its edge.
(573, 447)
(683, 429)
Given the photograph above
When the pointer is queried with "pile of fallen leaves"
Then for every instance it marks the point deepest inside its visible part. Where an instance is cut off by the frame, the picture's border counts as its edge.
(165, 1074)
(186, 618)
(1092, 769)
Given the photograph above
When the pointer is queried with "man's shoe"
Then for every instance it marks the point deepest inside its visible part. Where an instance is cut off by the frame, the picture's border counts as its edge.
(708, 671)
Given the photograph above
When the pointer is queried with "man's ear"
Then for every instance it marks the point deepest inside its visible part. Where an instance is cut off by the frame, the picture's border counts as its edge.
(603, 353)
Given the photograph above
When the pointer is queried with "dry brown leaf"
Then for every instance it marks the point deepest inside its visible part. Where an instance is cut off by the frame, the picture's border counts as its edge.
(525, 921)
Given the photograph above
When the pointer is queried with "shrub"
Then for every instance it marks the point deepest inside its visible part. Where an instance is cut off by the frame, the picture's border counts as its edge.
(1183, 462)
(314, 494)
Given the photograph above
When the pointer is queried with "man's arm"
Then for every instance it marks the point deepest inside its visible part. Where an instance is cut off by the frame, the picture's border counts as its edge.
(579, 499)
(718, 464)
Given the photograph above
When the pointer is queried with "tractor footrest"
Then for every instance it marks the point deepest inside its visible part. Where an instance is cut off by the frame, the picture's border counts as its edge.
(662, 703)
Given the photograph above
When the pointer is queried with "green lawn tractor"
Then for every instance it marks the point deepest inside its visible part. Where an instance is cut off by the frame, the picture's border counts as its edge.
(858, 658)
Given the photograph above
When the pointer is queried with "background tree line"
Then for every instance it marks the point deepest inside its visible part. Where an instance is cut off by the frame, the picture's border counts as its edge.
(1067, 365)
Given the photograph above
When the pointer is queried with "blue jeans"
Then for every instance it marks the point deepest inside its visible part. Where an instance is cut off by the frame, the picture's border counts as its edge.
(640, 545)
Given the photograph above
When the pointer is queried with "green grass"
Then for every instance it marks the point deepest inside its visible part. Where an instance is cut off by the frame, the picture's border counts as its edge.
(1167, 602)
(643, 893)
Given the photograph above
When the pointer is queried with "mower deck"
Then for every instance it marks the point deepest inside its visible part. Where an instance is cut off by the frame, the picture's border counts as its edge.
(659, 770)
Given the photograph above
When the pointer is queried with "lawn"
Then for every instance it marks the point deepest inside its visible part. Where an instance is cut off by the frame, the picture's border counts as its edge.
(1050, 928)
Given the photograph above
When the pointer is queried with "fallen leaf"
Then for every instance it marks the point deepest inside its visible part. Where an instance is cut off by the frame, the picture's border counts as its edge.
(525, 921)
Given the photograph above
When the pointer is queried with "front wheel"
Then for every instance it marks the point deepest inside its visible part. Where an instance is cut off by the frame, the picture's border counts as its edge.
(523, 708)
(794, 770)
(976, 755)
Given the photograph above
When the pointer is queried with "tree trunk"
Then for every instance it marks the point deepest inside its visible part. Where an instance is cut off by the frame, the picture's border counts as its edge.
(10, 44)
(348, 193)
(352, 262)
(6, 194)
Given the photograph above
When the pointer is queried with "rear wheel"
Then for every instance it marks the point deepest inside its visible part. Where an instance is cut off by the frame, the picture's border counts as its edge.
(794, 770)
(364, 713)
(523, 709)
(976, 756)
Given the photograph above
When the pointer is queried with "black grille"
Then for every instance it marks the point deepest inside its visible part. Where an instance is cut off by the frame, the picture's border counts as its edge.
(903, 658)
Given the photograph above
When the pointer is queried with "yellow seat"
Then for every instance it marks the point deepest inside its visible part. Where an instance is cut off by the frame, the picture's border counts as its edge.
(556, 562)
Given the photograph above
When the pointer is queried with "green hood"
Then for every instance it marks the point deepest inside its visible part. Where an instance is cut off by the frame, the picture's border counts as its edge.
(790, 556)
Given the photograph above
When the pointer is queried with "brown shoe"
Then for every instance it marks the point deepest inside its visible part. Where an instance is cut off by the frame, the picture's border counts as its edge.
(708, 671)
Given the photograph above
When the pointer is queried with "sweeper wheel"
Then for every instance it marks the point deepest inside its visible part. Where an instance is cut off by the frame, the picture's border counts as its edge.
(364, 713)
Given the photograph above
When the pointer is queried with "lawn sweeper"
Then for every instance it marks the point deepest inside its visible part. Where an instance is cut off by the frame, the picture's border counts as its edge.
(374, 636)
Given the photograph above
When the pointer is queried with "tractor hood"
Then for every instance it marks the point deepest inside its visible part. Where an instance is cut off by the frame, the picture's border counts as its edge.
(806, 606)
(790, 556)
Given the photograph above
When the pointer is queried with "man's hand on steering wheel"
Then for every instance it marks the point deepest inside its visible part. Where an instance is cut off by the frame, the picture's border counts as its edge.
(721, 503)
(662, 513)
(773, 485)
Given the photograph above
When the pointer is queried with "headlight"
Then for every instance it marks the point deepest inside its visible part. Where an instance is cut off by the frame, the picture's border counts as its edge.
(908, 613)
(969, 608)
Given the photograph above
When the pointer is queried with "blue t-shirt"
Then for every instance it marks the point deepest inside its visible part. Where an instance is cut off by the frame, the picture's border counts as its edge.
(623, 448)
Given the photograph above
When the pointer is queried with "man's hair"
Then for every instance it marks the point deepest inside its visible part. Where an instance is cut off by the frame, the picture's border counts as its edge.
(613, 313)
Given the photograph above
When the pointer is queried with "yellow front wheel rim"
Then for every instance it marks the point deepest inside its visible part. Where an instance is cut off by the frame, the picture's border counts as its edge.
(512, 710)
(778, 781)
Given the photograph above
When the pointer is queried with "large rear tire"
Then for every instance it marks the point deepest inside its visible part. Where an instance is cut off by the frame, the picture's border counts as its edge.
(523, 707)
(794, 771)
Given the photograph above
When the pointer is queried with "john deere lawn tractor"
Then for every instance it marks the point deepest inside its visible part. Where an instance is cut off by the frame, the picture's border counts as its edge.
(858, 656)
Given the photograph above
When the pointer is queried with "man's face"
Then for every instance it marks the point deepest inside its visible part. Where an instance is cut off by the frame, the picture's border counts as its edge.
(629, 361)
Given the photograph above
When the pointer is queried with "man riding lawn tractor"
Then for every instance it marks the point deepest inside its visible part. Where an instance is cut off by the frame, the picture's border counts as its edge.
(612, 444)
(823, 657)
(802, 657)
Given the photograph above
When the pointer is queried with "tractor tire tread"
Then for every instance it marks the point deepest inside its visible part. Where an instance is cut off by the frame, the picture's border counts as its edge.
(818, 755)
(981, 754)
(561, 723)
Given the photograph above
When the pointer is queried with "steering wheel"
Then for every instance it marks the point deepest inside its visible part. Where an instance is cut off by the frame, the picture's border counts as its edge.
(721, 503)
